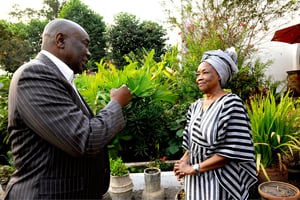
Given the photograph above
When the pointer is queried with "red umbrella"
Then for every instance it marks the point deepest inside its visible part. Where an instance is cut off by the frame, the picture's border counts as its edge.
(289, 35)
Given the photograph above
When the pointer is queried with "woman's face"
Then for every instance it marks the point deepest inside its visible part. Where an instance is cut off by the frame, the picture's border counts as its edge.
(207, 78)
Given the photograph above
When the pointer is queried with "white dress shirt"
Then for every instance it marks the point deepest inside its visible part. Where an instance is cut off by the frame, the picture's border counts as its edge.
(65, 70)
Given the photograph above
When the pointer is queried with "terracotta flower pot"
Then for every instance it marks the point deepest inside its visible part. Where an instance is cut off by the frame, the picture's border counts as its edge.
(274, 174)
(277, 190)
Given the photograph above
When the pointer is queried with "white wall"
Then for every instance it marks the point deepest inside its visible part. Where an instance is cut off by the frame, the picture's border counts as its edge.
(285, 57)
(2, 72)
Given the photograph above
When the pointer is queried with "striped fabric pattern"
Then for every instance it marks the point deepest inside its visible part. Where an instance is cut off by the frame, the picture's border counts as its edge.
(59, 146)
(223, 129)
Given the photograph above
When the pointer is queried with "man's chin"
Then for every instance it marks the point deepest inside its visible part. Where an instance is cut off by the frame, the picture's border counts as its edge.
(79, 70)
(85, 68)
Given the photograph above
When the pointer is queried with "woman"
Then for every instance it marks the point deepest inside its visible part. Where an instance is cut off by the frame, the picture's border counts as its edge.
(219, 162)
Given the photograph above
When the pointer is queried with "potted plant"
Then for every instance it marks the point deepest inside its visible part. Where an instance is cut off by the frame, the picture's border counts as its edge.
(292, 162)
(121, 185)
(276, 190)
(5, 174)
(180, 195)
(274, 133)
(6, 171)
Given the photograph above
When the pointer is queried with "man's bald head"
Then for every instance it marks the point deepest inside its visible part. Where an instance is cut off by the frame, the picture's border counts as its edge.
(55, 27)
(68, 41)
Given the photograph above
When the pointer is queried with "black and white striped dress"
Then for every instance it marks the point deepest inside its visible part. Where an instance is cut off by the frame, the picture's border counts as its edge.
(223, 129)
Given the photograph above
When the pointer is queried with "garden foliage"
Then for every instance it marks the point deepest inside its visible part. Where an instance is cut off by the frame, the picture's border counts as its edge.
(117, 167)
(92, 22)
(153, 93)
(4, 146)
(14, 46)
(130, 36)
(161, 80)
(275, 127)
(208, 24)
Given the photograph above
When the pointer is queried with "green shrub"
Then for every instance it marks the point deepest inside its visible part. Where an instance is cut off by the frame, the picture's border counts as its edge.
(7, 170)
(4, 87)
(5, 173)
(117, 167)
(153, 92)
(92, 22)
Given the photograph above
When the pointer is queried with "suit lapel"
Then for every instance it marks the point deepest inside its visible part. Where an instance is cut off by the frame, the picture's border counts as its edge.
(86, 105)
(77, 98)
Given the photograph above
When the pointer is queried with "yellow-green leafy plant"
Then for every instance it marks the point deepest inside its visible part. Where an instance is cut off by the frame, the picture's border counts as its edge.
(153, 87)
(117, 167)
(7, 170)
(5, 173)
(274, 130)
(150, 80)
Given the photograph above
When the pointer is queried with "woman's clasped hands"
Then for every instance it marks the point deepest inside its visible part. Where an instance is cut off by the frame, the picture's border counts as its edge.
(182, 168)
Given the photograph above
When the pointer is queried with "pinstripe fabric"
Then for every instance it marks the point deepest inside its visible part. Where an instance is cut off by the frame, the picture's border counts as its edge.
(224, 129)
(59, 147)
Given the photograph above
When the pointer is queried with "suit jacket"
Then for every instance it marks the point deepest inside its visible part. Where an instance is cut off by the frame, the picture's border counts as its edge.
(59, 147)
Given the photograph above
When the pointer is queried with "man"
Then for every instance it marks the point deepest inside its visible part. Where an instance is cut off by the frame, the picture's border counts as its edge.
(59, 146)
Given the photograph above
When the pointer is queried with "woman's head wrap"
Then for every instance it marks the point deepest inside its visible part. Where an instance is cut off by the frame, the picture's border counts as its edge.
(224, 62)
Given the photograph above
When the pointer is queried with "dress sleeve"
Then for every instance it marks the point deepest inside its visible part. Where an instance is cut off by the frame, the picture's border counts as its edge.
(234, 139)
(186, 137)
(194, 109)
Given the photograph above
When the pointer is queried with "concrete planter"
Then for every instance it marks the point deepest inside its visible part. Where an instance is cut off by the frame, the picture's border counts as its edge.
(153, 189)
(121, 187)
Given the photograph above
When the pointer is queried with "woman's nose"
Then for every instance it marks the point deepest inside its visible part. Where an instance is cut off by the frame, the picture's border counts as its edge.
(199, 77)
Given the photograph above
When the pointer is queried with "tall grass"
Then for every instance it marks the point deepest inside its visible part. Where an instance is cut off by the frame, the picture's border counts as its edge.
(275, 127)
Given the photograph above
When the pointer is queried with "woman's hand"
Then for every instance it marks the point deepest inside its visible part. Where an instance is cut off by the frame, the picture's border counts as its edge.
(182, 168)
(179, 164)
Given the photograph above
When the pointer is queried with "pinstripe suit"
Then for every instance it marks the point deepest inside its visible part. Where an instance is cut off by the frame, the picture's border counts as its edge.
(59, 147)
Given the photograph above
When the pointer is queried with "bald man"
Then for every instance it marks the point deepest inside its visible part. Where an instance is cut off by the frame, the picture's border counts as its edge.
(59, 146)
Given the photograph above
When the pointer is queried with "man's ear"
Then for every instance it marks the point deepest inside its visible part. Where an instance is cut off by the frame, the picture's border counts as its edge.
(60, 43)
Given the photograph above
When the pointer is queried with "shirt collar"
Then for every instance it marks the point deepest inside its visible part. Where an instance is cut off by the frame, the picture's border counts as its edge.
(65, 69)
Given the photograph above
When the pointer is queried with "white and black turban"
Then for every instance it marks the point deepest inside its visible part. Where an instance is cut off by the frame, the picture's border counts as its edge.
(224, 62)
